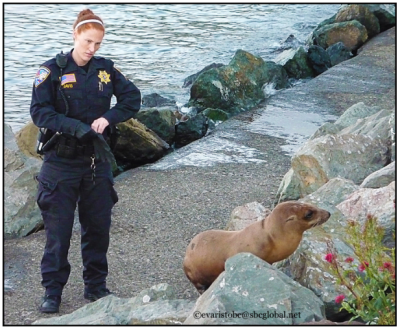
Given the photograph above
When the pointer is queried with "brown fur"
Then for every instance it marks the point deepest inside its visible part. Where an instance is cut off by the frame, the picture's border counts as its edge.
(273, 239)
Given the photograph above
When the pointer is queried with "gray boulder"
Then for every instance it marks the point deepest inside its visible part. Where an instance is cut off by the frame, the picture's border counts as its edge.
(376, 126)
(153, 306)
(348, 119)
(327, 197)
(291, 42)
(156, 100)
(381, 178)
(21, 213)
(355, 146)
(349, 156)
(378, 202)
(252, 292)
(331, 194)
(355, 112)
(243, 216)
(308, 267)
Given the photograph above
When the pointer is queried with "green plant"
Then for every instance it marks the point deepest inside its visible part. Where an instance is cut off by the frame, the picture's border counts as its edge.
(370, 279)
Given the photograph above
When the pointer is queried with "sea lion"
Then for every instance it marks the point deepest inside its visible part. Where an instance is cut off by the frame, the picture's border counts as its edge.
(272, 239)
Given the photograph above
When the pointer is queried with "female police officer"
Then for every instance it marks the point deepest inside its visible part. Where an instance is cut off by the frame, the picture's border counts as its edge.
(74, 104)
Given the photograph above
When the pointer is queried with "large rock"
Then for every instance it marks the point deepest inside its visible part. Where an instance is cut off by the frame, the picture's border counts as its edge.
(376, 202)
(21, 213)
(291, 42)
(154, 306)
(355, 112)
(362, 14)
(13, 158)
(216, 115)
(237, 86)
(381, 178)
(351, 157)
(386, 14)
(156, 100)
(308, 267)
(296, 64)
(243, 216)
(138, 144)
(319, 59)
(327, 197)
(353, 34)
(192, 78)
(190, 130)
(338, 53)
(27, 139)
(252, 292)
(331, 194)
(161, 121)
(348, 119)
(376, 126)
(355, 146)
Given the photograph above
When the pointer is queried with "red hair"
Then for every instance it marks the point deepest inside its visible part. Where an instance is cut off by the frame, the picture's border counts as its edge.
(85, 15)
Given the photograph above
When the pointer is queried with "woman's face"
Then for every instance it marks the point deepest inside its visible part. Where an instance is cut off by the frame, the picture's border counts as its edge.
(86, 44)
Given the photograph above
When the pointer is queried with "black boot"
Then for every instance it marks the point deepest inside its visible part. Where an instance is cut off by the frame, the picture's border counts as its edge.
(94, 295)
(51, 304)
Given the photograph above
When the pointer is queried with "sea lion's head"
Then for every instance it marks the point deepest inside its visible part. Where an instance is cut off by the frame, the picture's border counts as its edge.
(299, 216)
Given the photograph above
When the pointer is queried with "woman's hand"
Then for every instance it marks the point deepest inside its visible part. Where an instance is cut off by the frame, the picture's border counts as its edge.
(99, 125)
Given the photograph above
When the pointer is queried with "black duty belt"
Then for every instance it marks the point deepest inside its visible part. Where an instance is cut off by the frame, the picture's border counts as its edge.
(70, 147)
(85, 150)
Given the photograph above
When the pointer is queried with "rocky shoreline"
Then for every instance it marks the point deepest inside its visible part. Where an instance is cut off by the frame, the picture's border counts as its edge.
(160, 210)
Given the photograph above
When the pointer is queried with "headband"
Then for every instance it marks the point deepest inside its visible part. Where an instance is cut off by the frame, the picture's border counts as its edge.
(88, 21)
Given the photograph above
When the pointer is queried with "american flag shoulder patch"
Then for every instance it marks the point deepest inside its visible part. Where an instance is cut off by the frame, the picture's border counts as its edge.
(41, 75)
(68, 78)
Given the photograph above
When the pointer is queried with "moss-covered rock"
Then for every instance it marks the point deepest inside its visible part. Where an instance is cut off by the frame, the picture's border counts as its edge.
(237, 86)
(296, 63)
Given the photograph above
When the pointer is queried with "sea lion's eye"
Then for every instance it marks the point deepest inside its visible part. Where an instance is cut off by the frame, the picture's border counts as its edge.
(309, 214)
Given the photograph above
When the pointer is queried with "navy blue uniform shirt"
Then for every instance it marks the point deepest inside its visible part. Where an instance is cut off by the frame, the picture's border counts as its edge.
(88, 95)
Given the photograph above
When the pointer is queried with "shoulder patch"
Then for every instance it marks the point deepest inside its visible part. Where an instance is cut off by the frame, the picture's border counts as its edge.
(41, 75)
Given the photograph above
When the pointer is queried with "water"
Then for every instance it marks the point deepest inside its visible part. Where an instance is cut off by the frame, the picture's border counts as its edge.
(156, 45)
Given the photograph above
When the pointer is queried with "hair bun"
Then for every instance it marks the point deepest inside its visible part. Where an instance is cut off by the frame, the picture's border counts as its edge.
(85, 12)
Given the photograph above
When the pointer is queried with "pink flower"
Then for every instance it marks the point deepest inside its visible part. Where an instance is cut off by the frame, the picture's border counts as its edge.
(329, 258)
(387, 265)
(363, 266)
(349, 260)
(339, 299)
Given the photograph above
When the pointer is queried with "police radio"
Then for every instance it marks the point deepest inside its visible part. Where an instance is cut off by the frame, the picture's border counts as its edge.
(61, 60)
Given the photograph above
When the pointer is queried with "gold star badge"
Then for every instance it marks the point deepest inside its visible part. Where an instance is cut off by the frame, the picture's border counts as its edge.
(104, 77)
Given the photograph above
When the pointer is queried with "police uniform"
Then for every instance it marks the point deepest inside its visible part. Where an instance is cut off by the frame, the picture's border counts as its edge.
(66, 182)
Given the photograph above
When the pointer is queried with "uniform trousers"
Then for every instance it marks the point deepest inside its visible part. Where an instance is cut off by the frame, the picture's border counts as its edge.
(65, 184)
